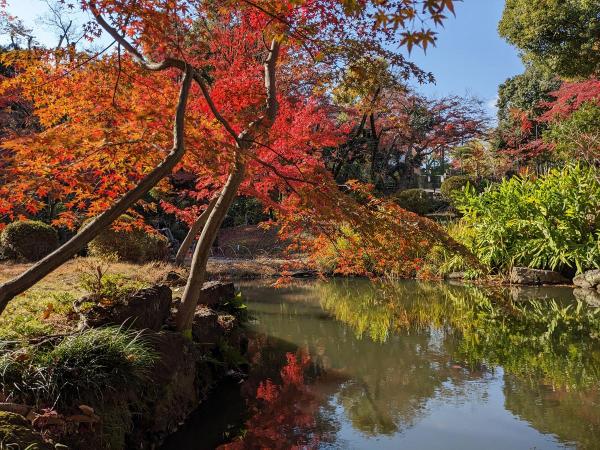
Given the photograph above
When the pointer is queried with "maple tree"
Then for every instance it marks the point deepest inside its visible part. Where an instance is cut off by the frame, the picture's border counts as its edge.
(399, 131)
(358, 233)
(572, 117)
(563, 126)
(236, 56)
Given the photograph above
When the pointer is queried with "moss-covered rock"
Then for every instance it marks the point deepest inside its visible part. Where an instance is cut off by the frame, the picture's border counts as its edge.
(28, 239)
(16, 432)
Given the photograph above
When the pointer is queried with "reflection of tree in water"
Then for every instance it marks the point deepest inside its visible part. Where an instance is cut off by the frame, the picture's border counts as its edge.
(283, 412)
(551, 338)
(570, 415)
(395, 346)
(551, 341)
(383, 387)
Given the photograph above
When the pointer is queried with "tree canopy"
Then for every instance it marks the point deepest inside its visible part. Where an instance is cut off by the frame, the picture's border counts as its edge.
(561, 35)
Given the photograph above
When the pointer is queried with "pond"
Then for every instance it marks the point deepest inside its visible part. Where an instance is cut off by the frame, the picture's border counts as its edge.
(409, 365)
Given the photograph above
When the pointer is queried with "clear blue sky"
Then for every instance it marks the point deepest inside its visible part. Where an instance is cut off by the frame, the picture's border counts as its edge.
(469, 59)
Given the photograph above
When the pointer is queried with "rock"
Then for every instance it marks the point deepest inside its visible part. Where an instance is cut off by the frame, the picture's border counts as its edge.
(227, 322)
(456, 276)
(525, 275)
(16, 408)
(205, 327)
(589, 296)
(16, 430)
(145, 309)
(588, 280)
(173, 279)
(304, 274)
(216, 292)
(209, 326)
(87, 410)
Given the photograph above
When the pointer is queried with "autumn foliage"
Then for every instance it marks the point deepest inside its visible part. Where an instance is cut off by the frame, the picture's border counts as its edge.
(250, 82)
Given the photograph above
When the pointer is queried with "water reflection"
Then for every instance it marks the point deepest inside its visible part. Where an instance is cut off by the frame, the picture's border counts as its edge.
(421, 366)
(533, 332)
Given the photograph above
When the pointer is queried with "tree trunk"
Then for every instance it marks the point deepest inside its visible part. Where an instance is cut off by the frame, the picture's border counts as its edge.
(194, 230)
(189, 301)
(244, 141)
(21, 283)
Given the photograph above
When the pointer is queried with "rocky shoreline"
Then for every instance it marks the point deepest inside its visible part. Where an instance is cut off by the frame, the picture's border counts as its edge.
(184, 373)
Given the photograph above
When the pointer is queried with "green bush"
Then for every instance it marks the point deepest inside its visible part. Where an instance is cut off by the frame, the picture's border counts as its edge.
(454, 184)
(133, 245)
(81, 367)
(417, 201)
(551, 222)
(28, 239)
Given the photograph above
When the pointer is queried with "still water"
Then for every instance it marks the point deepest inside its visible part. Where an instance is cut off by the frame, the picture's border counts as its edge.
(409, 365)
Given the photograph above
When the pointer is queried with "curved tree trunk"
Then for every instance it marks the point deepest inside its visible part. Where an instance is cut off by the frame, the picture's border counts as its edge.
(70, 248)
(244, 141)
(194, 230)
(189, 300)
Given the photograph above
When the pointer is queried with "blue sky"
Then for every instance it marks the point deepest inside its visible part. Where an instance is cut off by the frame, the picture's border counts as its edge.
(469, 59)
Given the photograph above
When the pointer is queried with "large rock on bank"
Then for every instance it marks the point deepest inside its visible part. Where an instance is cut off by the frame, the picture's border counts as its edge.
(588, 280)
(146, 309)
(214, 293)
(525, 275)
(588, 287)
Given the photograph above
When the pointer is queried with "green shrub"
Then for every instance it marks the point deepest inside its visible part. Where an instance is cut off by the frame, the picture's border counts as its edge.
(6, 254)
(417, 201)
(82, 367)
(28, 239)
(551, 222)
(133, 245)
(453, 185)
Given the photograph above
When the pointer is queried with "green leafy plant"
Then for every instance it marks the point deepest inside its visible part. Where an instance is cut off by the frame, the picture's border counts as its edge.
(440, 262)
(550, 222)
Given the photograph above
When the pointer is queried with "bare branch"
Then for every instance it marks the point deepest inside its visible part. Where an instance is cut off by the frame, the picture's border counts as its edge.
(137, 55)
(200, 81)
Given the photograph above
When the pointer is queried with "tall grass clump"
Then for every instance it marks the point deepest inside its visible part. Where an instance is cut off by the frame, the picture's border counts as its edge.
(550, 222)
(82, 367)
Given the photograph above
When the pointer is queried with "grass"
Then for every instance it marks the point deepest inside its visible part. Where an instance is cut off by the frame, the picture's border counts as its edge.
(46, 308)
(82, 367)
